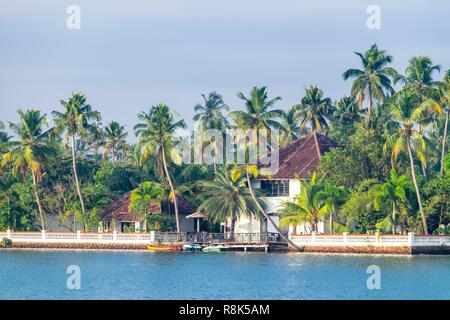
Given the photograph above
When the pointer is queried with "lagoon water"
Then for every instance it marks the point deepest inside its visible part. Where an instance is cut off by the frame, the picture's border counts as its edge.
(145, 275)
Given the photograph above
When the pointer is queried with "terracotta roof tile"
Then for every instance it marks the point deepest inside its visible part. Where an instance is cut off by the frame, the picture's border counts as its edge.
(118, 209)
(301, 157)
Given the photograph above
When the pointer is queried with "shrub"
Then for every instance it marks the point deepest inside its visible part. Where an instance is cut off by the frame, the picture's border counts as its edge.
(5, 243)
(160, 222)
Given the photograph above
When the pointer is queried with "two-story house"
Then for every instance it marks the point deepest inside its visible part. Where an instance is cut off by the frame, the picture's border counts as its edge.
(296, 161)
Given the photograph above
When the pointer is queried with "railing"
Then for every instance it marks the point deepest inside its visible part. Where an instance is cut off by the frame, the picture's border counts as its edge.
(346, 239)
(204, 237)
(136, 238)
(78, 237)
(410, 240)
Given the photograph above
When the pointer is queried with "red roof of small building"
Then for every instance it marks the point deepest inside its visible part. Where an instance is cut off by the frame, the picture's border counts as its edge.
(118, 209)
(298, 158)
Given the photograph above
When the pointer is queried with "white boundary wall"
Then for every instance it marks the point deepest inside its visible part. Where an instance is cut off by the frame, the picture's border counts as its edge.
(80, 237)
(409, 240)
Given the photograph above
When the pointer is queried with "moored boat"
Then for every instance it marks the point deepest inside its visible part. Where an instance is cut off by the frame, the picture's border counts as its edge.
(219, 248)
(163, 248)
(192, 247)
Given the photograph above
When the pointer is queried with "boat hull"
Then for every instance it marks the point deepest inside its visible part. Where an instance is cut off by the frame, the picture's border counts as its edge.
(163, 248)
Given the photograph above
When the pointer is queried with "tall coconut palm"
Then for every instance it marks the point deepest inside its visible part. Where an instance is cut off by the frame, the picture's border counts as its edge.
(314, 110)
(393, 194)
(346, 115)
(445, 103)
(227, 199)
(4, 139)
(291, 129)
(210, 113)
(96, 138)
(407, 137)
(115, 138)
(156, 136)
(75, 121)
(347, 111)
(373, 80)
(258, 112)
(419, 76)
(27, 154)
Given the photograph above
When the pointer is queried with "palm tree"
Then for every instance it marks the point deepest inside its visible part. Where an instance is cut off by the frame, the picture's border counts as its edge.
(142, 198)
(75, 121)
(156, 135)
(419, 76)
(115, 138)
(96, 138)
(373, 81)
(392, 194)
(211, 117)
(314, 110)
(290, 124)
(258, 114)
(308, 207)
(210, 113)
(407, 138)
(333, 197)
(27, 153)
(4, 139)
(346, 110)
(445, 102)
(249, 172)
(347, 115)
(227, 199)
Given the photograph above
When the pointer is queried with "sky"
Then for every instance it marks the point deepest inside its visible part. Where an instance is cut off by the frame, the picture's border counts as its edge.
(130, 55)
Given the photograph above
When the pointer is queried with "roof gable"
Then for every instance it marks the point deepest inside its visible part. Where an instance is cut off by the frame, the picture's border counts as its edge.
(302, 156)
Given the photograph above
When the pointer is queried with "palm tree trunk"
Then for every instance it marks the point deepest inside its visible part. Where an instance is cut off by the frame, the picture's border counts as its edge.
(77, 183)
(393, 218)
(290, 243)
(424, 170)
(232, 227)
(443, 144)
(331, 223)
(369, 107)
(112, 154)
(172, 189)
(419, 197)
(38, 201)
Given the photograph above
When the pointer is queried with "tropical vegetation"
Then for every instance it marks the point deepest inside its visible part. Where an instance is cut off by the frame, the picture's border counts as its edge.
(391, 173)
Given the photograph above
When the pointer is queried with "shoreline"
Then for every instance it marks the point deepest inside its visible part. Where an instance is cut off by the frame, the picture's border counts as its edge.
(340, 251)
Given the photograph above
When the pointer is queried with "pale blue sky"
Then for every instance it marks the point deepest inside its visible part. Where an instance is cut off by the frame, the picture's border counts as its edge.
(132, 54)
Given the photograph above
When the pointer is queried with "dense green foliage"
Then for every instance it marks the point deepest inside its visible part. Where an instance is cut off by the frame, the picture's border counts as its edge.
(391, 173)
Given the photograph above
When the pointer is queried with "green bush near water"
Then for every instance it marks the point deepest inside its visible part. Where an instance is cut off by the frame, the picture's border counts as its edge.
(5, 243)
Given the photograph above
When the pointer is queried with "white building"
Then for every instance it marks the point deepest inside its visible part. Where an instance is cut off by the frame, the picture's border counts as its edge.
(296, 161)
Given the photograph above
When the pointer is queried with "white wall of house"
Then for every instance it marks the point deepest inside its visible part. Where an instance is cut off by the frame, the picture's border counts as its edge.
(273, 205)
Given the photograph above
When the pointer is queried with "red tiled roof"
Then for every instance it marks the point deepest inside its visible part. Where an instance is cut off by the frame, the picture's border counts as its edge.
(118, 209)
(302, 156)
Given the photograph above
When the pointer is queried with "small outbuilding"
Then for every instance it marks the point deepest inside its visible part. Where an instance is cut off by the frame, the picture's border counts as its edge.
(117, 217)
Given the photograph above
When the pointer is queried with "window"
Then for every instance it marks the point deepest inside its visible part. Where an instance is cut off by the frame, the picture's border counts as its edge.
(275, 188)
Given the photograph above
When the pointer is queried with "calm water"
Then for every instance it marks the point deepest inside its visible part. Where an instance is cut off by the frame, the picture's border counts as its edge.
(145, 275)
